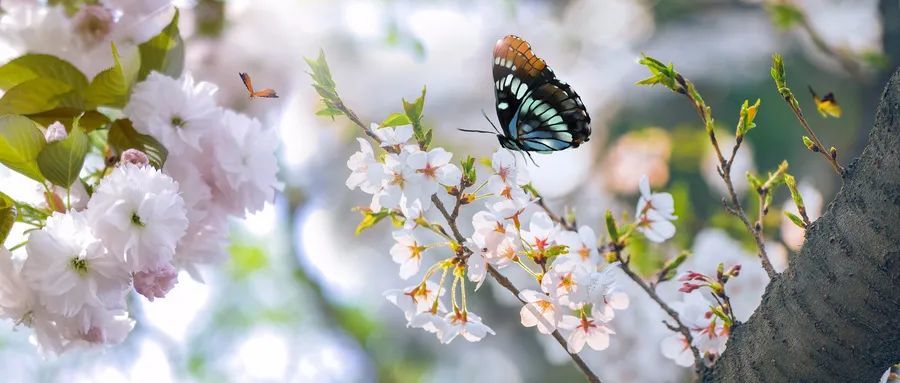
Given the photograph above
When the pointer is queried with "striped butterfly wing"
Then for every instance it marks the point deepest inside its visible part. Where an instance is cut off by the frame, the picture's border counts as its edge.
(516, 69)
(537, 111)
(551, 118)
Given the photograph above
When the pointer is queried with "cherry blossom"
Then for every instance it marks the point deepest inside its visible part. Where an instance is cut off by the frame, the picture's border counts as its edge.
(139, 215)
(582, 249)
(466, 324)
(69, 268)
(414, 299)
(392, 137)
(407, 252)
(366, 174)
(586, 330)
(654, 212)
(539, 310)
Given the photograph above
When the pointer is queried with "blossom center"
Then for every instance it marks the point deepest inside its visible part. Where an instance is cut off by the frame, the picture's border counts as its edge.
(177, 122)
(136, 220)
(429, 170)
(79, 265)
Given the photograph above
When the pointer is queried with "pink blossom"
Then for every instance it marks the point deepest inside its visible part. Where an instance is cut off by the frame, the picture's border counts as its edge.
(156, 283)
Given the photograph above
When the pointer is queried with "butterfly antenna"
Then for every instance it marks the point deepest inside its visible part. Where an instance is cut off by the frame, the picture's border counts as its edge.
(811, 91)
(532, 159)
(475, 131)
(483, 113)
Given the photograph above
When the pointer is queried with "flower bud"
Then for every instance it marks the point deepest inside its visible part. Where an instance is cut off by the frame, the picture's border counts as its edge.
(55, 132)
(136, 157)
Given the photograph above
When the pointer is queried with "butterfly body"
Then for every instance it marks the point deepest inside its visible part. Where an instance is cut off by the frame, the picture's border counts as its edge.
(827, 106)
(537, 111)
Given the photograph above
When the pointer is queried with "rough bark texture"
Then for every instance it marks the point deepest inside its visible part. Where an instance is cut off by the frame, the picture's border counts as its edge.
(834, 314)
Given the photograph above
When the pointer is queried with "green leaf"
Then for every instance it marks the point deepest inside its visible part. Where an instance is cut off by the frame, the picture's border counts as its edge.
(113, 86)
(370, 219)
(470, 175)
(785, 15)
(61, 161)
(321, 76)
(611, 227)
(21, 140)
(747, 117)
(164, 52)
(8, 215)
(795, 219)
(414, 112)
(122, 137)
(32, 66)
(90, 120)
(39, 95)
(395, 119)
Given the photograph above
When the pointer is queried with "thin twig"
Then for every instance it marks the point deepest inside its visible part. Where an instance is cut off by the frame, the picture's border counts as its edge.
(850, 65)
(651, 292)
(819, 146)
(725, 173)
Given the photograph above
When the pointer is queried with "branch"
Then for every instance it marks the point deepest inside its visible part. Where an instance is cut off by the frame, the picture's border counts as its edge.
(651, 292)
(705, 114)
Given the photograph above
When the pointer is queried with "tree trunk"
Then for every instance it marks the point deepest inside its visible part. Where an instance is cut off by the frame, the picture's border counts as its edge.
(834, 314)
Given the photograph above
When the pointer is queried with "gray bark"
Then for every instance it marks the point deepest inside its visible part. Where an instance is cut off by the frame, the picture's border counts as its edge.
(834, 314)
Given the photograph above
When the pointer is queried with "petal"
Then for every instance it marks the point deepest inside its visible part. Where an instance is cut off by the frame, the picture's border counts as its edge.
(644, 186)
(576, 341)
(598, 339)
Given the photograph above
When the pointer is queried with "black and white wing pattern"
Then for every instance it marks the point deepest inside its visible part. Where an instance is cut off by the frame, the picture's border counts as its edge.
(537, 111)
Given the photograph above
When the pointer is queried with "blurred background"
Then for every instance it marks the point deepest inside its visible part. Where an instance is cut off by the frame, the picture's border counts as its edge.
(300, 298)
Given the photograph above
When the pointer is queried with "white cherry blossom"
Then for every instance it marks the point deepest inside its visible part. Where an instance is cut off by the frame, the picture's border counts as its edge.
(586, 330)
(540, 310)
(655, 213)
(466, 324)
(407, 252)
(367, 173)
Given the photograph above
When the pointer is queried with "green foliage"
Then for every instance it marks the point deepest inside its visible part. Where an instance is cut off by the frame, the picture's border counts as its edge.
(370, 218)
(810, 144)
(246, 260)
(32, 66)
(122, 136)
(163, 53)
(795, 193)
(748, 115)
(660, 73)
(113, 86)
(784, 15)
(414, 112)
(395, 119)
(470, 175)
(40, 95)
(21, 140)
(89, 121)
(324, 86)
(356, 322)
(61, 161)
(670, 268)
(8, 215)
(611, 227)
(795, 219)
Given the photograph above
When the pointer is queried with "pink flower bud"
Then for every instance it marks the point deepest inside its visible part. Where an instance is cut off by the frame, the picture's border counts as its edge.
(136, 157)
(95, 335)
(690, 276)
(55, 132)
(156, 283)
(688, 288)
(735, 270)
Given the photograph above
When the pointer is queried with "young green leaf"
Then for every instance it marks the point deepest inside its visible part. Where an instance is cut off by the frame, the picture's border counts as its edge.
(611, 227)
(784, 15)
(748, 114)
(795, 219)
(40, 95)
(395, 119)
(32, 66)
(414, 111)
(164, 52)
(90, 120)
(21, 140)
(61, 161)
(8, 215)
(122, 136)
(113, 86)
(370, 219)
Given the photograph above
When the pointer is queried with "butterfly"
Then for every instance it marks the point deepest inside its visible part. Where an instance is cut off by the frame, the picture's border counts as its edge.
(267, 92)
(537, 111)
(827, 106)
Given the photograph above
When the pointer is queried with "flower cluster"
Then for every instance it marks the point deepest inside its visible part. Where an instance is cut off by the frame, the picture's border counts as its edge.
(575, 290)
(137, 226)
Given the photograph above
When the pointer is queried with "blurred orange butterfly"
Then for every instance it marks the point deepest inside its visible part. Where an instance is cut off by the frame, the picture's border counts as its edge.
(827, 106)
(267, 92)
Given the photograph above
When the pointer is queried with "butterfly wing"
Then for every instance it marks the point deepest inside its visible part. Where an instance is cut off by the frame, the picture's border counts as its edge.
(246, 79)
(552, 117)
(516, 70)
(267, 93)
